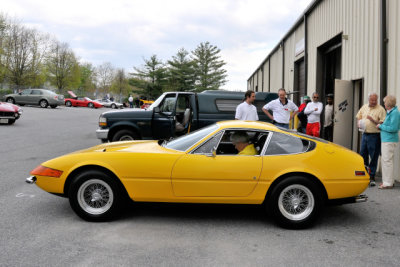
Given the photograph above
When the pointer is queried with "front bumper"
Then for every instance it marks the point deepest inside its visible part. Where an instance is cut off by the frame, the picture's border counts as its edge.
(102, 133)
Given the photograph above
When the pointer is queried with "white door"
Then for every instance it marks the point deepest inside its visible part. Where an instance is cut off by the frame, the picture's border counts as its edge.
(343, 112)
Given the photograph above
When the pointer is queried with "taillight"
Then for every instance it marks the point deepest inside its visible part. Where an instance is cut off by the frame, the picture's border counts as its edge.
(360, 173)
(45, 171)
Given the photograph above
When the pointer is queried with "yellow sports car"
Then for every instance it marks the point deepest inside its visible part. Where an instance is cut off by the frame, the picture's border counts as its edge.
(236, 162)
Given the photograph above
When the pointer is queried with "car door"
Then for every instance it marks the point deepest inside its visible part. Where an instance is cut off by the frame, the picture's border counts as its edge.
(162, 124)
(35, 96)
(23, 97)
(208, 172)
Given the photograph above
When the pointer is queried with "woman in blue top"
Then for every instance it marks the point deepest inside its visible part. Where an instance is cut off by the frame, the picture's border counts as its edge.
(389, 137)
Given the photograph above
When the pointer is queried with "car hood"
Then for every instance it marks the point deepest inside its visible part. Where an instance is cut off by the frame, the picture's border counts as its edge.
(8, 107)
(150, 146)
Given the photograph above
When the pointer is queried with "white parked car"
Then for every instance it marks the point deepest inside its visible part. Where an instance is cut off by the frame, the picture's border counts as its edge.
(109, 104)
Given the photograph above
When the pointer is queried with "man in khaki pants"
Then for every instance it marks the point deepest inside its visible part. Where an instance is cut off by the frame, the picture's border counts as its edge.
(368, 117)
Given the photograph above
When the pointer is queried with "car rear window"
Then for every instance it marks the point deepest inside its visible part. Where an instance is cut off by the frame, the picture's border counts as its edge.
(284, 144)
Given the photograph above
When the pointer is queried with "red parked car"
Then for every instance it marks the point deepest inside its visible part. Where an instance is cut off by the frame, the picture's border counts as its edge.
(82, 102)
(9, 113)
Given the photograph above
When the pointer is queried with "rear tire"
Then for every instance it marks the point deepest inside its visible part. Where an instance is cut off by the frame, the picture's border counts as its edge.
(43, 103)
(295, 203)
(53, 106)
(113, 106)
(95, 196)
(125, 135)
(10, 100)
(90, 105)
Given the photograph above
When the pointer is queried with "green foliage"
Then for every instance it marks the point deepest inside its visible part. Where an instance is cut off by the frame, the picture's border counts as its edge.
(181, 72)
(153, 76)
(208, 67)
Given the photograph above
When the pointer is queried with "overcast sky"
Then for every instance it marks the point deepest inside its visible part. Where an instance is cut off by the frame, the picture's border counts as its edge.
(123, 32)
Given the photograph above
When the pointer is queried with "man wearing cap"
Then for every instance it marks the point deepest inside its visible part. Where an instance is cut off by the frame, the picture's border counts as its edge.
(367, 117)
(328, 119)
(241, 141)
(281, 108)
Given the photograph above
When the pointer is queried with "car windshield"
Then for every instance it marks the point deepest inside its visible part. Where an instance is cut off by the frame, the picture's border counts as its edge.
(183, 143)
(88, 99)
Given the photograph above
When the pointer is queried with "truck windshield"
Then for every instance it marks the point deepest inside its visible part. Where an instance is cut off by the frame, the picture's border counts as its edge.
(157, 102)
(184, 142)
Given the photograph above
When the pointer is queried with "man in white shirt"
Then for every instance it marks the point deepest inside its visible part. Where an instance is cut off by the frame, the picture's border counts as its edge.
(328, 122)
(313, 111)
(281, 108)
(246, 110)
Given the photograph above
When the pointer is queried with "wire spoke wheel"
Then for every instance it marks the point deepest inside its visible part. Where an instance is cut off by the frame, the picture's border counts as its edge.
(296, 202)
(95, 196)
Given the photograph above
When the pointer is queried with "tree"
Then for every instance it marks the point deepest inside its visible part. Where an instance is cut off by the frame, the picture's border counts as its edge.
(105, 75)
(87, 83)
(120, 84)
(24, 51)
(208, 66)
(63, 68)
(152, 77)
(181, 72)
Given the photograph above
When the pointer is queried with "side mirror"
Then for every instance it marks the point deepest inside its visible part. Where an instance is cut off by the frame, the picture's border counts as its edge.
(156, 109)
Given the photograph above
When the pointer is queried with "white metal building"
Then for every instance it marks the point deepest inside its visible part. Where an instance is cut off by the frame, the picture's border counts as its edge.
(346, 47)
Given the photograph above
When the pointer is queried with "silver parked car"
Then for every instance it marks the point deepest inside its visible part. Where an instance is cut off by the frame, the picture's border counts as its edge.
(109, 103)
(41, 97)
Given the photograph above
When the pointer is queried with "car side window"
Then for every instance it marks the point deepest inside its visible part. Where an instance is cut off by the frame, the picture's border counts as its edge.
(36, 92)
(208, 146)
(26, 92)
(284, 144)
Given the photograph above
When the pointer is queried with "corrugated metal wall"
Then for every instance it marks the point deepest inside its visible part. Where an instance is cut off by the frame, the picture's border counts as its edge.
(276, 71)
(393, 7)
(359, 21)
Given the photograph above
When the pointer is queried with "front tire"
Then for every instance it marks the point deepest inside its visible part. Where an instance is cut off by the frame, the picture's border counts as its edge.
(90, 105)
(10, 100)
(295, 203)
(68, 104)
(53, 106)
(113, 106)
(125, 135)
(95, 196)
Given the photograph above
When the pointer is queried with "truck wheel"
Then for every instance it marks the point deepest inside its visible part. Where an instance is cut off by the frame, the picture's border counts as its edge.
(125, 135)
(295, 202)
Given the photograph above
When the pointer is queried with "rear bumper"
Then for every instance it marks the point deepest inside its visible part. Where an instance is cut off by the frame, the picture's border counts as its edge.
(348, 200)
(102, 134)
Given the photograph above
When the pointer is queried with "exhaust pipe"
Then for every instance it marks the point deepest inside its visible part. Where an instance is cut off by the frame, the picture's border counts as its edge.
(31, 180)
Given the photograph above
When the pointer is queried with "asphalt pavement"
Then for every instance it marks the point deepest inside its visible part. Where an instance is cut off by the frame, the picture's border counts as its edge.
(40, 229)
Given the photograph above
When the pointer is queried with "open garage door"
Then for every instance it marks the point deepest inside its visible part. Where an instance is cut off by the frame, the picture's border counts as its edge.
(343, 110)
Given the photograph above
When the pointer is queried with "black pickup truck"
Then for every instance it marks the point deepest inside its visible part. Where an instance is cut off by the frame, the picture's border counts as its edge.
(174, 114)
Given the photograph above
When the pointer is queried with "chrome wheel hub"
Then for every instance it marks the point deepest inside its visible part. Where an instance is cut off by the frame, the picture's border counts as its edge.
(296, 202)
(95, 196)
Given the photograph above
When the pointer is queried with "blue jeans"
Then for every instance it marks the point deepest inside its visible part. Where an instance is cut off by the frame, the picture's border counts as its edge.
(283, 125)
(370, 150)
